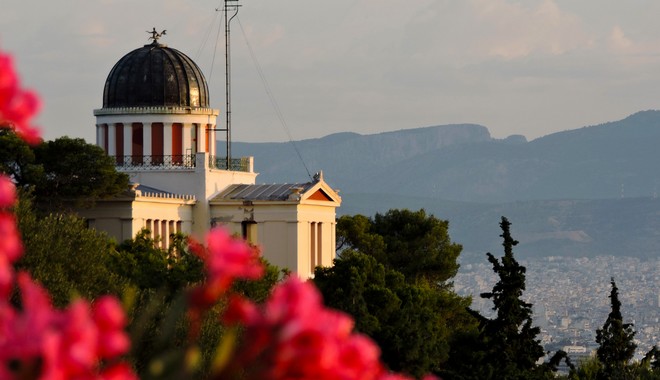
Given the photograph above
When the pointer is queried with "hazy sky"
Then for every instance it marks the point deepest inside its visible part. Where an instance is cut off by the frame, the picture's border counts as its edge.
(529, 67)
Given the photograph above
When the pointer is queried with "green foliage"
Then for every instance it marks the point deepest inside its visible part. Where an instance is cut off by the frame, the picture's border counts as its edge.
(615, 339)
(506, 346)
(158, 331)
(159, 324)
(65, 256)
(72, 260)
(589, 369)
(354, 232)
(411, 242)
(393, 276)
(411, 322)
(260, 289)
(17, 160)
(594, 369)
(75, 169)
(62, 170)
(145, 265)
(649, 367)
(652, 358)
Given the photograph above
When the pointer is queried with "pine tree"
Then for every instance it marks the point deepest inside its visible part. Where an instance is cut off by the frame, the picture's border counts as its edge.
(512, 348)
(615, 339)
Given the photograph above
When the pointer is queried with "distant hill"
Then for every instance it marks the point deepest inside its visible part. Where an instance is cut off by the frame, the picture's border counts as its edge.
(349, 159)
(563, 192)
(584, 228)
(464, 163)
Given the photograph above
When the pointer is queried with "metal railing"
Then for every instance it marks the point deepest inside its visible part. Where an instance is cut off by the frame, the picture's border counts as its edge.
(182, 161)
(235, 164)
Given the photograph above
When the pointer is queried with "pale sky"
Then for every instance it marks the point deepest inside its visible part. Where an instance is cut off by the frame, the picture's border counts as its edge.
(529, 67)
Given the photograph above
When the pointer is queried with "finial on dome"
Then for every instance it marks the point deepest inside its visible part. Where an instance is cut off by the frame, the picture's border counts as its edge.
(155, 35)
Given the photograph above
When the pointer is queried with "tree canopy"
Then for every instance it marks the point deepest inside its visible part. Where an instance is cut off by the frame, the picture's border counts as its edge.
(393, 276)
(616, 346)
(410, 242)
(506, 346)
(74, 169)
(65, 169)
(68, 258)
(17, 160)
(411, 322)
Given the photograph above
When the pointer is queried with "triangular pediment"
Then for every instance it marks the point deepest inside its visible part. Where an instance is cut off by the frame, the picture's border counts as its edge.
(320, 195)
(320, 192)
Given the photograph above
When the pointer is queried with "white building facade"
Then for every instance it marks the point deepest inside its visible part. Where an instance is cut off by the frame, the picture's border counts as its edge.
(157, 123)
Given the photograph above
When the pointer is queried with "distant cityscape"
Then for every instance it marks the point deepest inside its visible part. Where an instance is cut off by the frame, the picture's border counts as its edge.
(571, 298)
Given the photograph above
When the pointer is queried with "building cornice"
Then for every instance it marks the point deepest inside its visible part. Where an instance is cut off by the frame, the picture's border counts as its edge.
(156, 110)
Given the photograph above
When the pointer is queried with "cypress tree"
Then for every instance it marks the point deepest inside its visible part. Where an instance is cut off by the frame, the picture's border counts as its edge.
(510, 342)
(615, 339)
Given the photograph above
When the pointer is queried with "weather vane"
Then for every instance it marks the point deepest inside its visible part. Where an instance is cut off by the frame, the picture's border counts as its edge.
(155, 35)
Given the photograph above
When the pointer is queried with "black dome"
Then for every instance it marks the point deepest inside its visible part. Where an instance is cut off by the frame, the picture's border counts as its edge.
(155, 76)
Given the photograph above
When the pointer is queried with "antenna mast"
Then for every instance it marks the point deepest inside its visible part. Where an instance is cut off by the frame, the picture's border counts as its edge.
(229, 6)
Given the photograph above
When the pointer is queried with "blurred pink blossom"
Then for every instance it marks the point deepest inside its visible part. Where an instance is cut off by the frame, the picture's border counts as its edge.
(226, 259)
(7, 192)
(17, 106)
(294, 336)
(68, 344)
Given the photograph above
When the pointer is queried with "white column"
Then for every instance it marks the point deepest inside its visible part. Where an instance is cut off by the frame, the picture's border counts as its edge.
(187, 138)
(128, 140)
(200, 138)
(165, 234)
(333, 242)
(112, 143)
(167, 139)
(146, 140)
(312, 247)
(212, 142)
(99, 135)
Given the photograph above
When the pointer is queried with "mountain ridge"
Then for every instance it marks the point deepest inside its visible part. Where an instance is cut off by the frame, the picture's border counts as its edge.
(565, 193)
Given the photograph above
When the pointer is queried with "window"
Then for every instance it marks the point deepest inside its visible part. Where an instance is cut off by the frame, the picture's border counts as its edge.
(137, 141)
(249, 231)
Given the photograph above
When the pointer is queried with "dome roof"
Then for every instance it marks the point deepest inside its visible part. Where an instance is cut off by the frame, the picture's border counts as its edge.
(155, 76)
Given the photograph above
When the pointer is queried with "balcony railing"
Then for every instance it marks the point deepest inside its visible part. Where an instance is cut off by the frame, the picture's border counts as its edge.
(179, 162)
(183, 162)
(235, 164)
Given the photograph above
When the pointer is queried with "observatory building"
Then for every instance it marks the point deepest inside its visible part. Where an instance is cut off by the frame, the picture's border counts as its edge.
(157, 123)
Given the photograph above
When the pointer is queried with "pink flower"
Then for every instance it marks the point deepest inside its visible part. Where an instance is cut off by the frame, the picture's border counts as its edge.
(17, 106)
(227, 259)
(119, 371)
(37, 340)
(32, 321)
(359, 357)
(11, 249)
(70, 343)
(110, 320)
(231, 258)
(6, 277)
(11, 246)
(293, 299)
(7, 192)
(241, 310)
(8, 79)
(293, 336)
